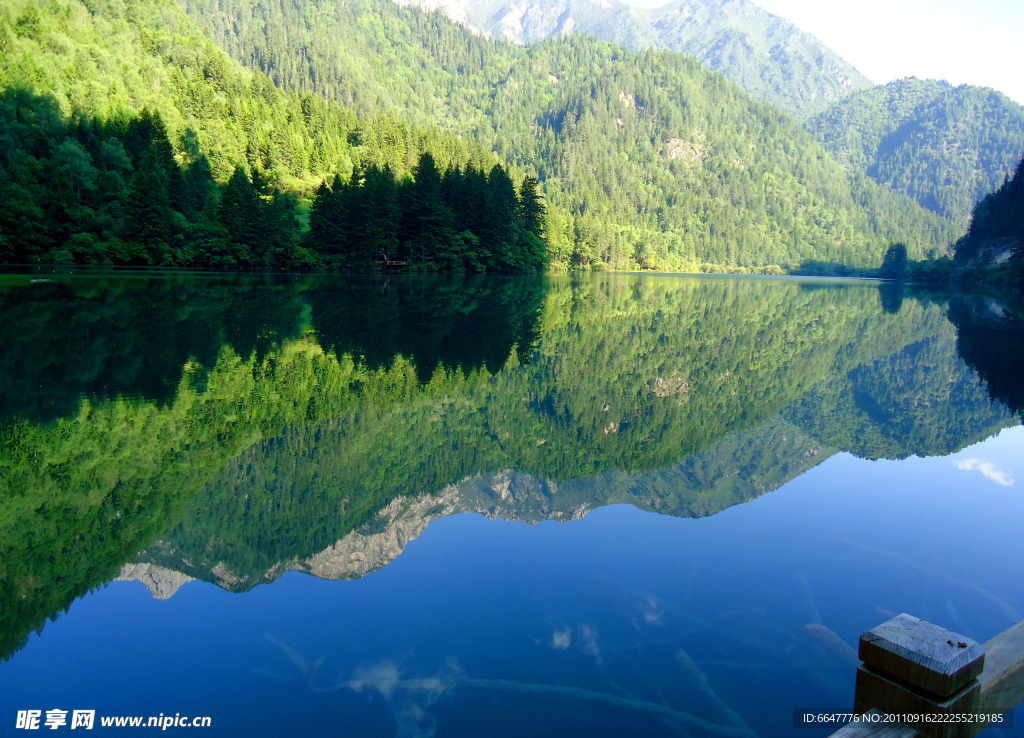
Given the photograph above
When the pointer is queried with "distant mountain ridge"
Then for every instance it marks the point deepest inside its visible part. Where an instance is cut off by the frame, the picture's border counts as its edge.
(945, 146)
(765, 54)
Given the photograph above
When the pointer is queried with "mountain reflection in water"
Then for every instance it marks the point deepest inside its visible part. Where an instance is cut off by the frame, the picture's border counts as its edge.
(234, 429)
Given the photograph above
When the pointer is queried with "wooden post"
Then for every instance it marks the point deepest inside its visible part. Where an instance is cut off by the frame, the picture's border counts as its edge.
(911, 666)
(908, 663)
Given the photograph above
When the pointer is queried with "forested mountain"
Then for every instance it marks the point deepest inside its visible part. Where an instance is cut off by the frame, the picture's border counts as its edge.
(946, 147)
(764, 54)
(645, 159)
(129, 138)
(997, 227)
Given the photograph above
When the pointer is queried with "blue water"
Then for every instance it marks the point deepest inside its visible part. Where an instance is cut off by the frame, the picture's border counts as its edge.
(684, 612)
(604, 604)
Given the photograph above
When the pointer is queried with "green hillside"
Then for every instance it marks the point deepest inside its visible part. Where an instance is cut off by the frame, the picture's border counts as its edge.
(946, 147)
(130, 138)
(648, 158)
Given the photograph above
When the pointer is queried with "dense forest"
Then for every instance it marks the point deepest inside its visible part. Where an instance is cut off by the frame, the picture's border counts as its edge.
(88, 191)
(454, 221)
(641, 161)
(946, 147)
(183, 158)
(575, 378)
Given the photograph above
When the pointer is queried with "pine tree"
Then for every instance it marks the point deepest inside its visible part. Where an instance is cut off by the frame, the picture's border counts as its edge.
(320, 219)
(502, 213)
(381, 214)
(148, 214)
(198, 186)
(532, 210)
(240, 217)
(428, 223)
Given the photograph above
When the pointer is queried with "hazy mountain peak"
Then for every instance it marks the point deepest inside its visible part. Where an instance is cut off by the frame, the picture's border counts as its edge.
(457, 10)
(765, 54)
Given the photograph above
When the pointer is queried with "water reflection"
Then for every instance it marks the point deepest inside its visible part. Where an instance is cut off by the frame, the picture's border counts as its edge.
(102, 338)
(990, 338)
(232, 430)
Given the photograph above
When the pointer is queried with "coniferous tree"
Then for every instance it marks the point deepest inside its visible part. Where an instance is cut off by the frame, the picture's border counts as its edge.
(381, 215)
(148, 215)
(320, 225)
(240, 217)
(281, 232)
(531, 207)
(352, 201)
(502, 210)
(532, 216)
(428, 223)
(198, 186)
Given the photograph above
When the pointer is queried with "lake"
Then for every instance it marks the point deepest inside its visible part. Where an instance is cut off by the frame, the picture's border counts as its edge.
(395, 506)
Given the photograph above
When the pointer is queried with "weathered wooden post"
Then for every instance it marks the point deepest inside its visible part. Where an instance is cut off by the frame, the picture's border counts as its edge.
(908, 663)
(912, 667)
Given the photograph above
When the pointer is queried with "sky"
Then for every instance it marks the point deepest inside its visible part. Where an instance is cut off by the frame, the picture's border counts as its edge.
(976, 42)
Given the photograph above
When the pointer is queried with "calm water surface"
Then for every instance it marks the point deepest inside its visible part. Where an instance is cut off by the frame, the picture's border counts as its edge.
(329, 506)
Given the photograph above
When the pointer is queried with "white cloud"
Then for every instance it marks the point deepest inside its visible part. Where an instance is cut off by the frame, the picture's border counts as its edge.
(561, 639)
(987, 469)
(590, 646)
(409, 700)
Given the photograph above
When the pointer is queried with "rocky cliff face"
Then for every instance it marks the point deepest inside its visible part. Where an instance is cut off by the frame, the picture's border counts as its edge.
(359, 553)
(160, 581)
